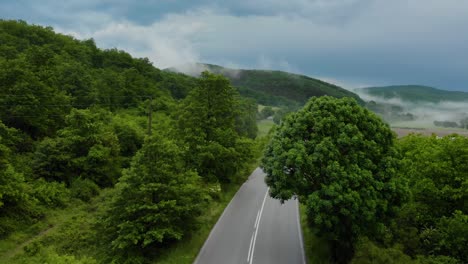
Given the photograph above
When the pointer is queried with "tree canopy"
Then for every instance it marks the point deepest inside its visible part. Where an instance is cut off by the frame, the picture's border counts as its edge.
(74, 121)
(157, 200)
(207, 123)
(341, 161)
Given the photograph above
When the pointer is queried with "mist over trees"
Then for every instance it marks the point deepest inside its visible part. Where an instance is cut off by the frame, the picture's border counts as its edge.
(417, 106)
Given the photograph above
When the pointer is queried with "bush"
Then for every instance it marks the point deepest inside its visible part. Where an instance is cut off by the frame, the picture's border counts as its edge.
(368, 253)
(84, 189)
(51, 194)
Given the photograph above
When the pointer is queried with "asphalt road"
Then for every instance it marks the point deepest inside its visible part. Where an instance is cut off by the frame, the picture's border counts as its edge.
(255, 228)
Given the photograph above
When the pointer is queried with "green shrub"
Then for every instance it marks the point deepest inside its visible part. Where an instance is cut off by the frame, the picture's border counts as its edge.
(84, 189)
(51, 194)
(369, 253)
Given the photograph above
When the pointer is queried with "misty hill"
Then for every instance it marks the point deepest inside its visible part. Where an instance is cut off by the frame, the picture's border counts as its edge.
(272, 87)
(415, 93)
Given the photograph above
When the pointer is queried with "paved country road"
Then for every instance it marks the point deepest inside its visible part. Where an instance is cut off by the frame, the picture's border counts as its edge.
(255, 228)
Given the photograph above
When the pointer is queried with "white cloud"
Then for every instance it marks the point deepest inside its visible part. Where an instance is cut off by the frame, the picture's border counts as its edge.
(340, 39)
(166, 43)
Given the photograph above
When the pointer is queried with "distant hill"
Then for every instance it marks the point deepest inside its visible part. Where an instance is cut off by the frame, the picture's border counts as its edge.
(273, 87)
(415, 93)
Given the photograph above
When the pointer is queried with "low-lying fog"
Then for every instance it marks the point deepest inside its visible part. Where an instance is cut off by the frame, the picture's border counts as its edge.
(423, 113)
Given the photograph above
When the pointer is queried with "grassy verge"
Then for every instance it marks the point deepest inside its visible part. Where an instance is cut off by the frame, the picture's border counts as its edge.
(316, 249)
(59, 229)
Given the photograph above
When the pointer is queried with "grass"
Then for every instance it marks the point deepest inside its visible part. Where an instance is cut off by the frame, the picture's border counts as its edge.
(264, 127)
(316, 249)
(275, 108)
(44, 233)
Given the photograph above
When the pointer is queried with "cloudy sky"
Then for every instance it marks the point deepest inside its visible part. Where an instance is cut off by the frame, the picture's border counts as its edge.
(352, 43)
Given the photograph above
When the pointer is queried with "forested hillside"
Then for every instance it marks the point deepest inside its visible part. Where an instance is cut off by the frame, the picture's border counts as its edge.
(97, 146)
(276, 87)
(415, 93)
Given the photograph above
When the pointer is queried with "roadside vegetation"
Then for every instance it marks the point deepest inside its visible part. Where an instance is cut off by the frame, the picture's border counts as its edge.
(105, 158)
(370, 197)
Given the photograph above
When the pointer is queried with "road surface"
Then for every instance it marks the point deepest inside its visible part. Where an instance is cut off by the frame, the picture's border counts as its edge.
(255, 228)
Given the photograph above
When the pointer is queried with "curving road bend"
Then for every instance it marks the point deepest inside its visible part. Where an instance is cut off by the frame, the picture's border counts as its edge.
(254, 228)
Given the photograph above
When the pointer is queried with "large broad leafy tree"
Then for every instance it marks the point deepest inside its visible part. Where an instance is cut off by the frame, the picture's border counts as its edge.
(207, 123)
(341, 161)
(157, 200)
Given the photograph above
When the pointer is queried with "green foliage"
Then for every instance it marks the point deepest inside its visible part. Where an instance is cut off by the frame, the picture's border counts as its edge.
(25, 98)
(130, 135)
(438, 172)
(369, 253)
(246, 122)
(16, 202)
(178, 84)
(279, 88)
(266, 112)
(37, 254)
(84, 189)
(207, 123)
(87, 147)
(50, 194)
(434, 222)
(341, 160)
(72, 116)
(157, 200)
(316, 249)
(14, 139)
(280, 114)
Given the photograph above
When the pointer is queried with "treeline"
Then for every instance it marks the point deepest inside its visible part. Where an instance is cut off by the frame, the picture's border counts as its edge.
(462, 124)
(368, 196)
(74, 120)
(432, 225)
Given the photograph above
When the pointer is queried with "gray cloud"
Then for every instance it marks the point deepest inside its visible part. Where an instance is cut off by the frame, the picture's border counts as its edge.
(350, 41)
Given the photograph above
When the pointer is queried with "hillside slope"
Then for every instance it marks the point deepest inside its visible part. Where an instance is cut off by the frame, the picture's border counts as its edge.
(415, 93)
(274, 87)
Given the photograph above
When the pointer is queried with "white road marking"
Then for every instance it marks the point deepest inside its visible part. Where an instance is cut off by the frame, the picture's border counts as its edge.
(250, 247)
(258, 225)
(217, 224)
(256, 220)
(299, 230)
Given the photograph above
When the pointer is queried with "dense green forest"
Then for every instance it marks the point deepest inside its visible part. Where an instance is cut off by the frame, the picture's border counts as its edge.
(415, 93)
(97, 146)
(368, 196)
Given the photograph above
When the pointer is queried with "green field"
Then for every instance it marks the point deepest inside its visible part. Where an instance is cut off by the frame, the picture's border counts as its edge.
(264, 127)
